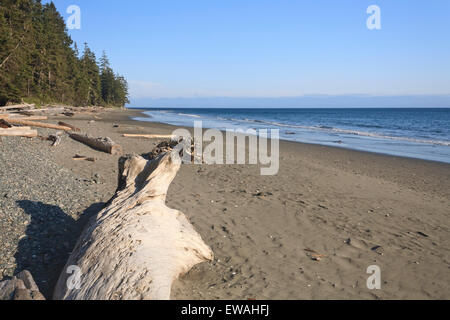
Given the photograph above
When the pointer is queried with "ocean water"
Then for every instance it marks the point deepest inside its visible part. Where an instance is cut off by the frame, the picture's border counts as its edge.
(417, 133)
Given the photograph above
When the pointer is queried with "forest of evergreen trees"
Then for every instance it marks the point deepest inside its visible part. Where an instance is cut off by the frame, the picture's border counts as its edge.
(40, 63)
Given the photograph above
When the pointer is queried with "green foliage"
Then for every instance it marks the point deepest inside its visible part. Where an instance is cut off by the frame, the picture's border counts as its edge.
(114, 87)
(39, 62)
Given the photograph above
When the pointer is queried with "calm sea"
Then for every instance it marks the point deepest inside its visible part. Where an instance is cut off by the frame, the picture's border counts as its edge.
(417, 133)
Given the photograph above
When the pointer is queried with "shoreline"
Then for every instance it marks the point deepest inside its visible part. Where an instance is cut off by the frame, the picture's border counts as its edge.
(143, 115)
(319, 149)
(340, 203)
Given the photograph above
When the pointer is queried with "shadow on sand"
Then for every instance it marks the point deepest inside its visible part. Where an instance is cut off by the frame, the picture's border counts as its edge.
(50, 238)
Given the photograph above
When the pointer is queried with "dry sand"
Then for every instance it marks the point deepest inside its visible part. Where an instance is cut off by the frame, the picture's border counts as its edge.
(340, 203)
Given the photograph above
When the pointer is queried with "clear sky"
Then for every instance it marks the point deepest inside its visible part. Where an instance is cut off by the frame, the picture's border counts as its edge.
(261, 48)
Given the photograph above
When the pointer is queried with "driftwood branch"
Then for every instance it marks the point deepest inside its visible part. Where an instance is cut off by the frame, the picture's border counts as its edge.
(83, 158)
(136, 247)
(37, 124)
(19, 117)
(101, 144)
(64, 124)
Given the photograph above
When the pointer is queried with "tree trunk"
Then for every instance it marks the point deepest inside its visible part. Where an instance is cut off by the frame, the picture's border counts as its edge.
(101, 144)
(136, 247)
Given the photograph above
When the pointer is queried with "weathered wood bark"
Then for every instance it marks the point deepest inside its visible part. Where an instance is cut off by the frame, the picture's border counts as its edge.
(101, 144)
(69, 125)
(12, 52)
(20, 287)
(18, 132)
(37, 124)
(5, 124)
(137, 246)
(83, 158)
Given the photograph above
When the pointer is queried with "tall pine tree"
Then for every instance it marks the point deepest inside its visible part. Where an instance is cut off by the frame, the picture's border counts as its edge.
(39, 63)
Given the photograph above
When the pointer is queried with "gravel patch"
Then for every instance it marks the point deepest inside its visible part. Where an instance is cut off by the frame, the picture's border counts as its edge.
(43, 208)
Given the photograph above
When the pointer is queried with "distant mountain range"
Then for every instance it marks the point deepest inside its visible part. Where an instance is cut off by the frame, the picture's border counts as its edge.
(309, 101)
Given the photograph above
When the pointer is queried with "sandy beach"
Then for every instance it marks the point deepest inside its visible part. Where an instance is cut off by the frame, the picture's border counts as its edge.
(355, 209)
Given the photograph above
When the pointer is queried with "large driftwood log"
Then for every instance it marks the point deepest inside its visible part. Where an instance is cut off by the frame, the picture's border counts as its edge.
(18, 132)
(137, 246)
(37, 124)
(101, 144)
(20, 117)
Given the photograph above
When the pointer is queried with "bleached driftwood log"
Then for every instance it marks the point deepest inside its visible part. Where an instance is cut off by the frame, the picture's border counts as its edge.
(101, 144)
(18, 132)
(137, 246)
(20, 117)
(37, 124)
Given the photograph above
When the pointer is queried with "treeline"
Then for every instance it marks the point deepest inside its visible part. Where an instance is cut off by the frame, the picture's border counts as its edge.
(40, 63)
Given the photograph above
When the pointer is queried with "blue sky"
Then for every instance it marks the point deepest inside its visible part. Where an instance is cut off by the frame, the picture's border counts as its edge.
(228, 48)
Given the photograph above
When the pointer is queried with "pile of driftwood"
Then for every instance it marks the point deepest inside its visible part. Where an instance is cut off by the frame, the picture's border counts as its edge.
(18, 121)
(136, 247)
(31, 110)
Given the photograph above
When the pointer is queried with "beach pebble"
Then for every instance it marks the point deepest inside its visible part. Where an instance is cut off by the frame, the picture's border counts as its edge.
(378, 249)
(40, 205)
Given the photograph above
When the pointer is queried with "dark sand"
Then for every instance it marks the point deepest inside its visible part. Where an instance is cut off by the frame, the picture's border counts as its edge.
(339, 203)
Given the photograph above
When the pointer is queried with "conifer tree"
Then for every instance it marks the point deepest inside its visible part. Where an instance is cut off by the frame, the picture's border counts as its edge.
(40, 63)
(91, 73)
